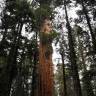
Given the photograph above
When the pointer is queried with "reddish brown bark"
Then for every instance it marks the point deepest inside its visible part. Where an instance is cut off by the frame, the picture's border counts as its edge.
(45, 71)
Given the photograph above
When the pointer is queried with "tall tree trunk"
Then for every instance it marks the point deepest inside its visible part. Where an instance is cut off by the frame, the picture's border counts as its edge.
(35, 74)
(17, 87)
(90, 27)
(45, 61)
(64, 76)
(86, 79)
(11, 69)
(76, 81)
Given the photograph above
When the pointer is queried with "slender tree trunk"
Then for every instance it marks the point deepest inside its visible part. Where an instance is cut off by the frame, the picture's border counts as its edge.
(81, 52)
(17, 88)
(11, 69)
(86, 80)
(76, 81)
(35, 79)
(35, 75)
(89, 25)
(64, 78)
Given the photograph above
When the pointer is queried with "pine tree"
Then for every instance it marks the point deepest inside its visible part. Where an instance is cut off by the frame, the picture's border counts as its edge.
(77, 86)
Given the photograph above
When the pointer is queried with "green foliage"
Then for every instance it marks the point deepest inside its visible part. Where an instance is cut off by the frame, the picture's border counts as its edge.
(78, 29)
(61, 2)
(48, 38)
(42, 2)
(2, 61)
(59, 80)
(41, 13)
(58, 2)
(54, 34)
